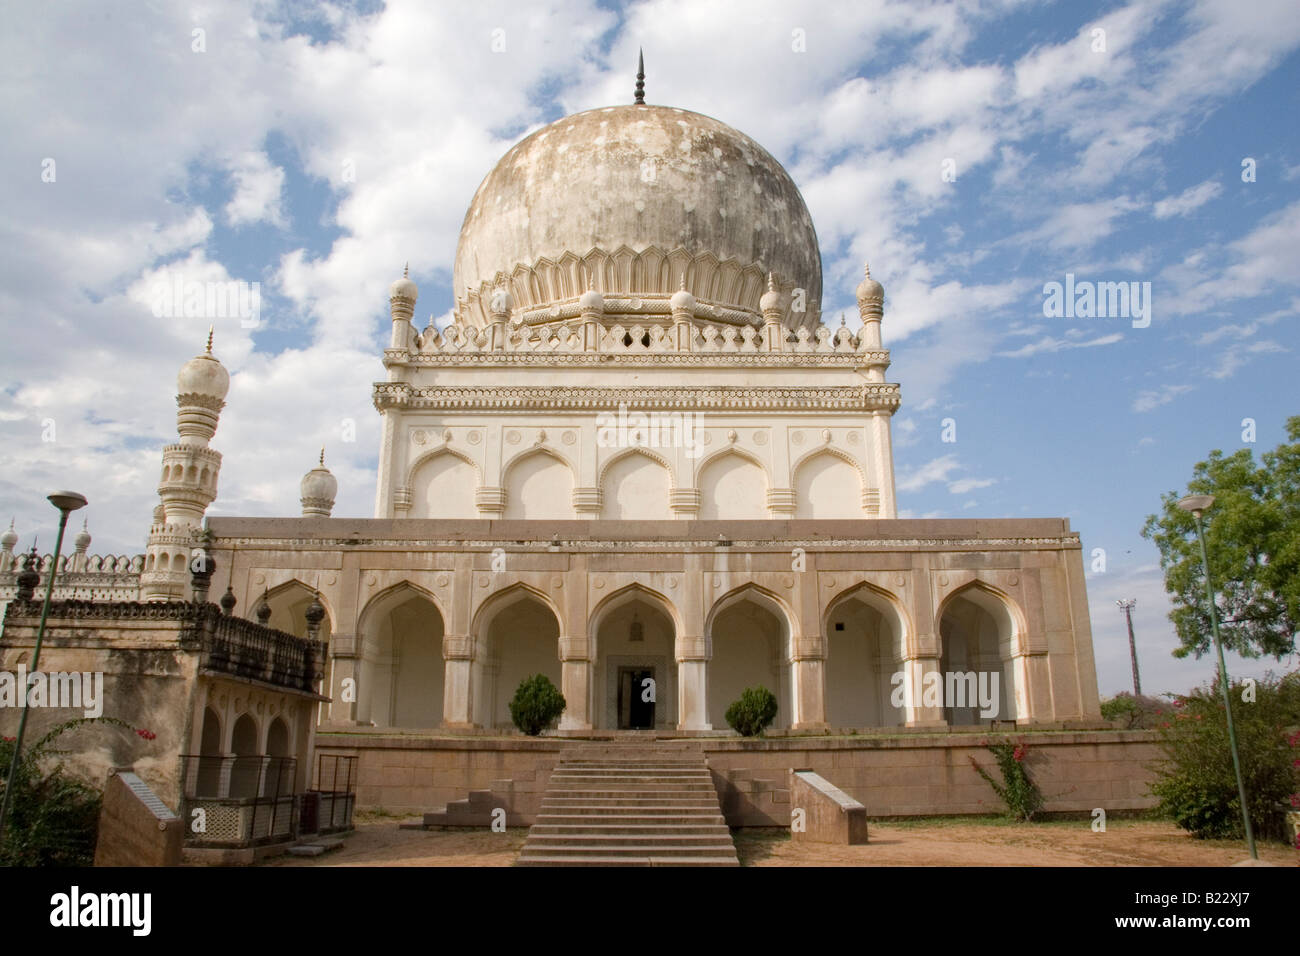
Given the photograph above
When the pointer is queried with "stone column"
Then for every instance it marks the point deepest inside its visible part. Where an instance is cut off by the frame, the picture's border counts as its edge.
(918, 715)
(808, 684)
(344, 679)
(575, 680)
(693, 695)
(457, 687)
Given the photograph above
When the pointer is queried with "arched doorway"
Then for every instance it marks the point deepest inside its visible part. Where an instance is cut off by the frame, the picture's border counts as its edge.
(280, 771)
(978, 636)
(246, 770)
(401, 668)
(865, 649)
(751, 639)
(635, 675)
(518, 635)
(208, 781)
(289, 603)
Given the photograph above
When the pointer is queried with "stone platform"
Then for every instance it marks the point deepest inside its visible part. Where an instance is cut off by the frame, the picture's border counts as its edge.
(895, 775)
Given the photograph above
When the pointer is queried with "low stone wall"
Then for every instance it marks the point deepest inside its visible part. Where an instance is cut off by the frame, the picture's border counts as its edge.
(908, 775)
(928, 775)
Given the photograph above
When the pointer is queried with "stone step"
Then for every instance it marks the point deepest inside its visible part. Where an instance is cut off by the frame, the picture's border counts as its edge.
(604, 827)
(615, 847)
(621, 805)
(540, 860)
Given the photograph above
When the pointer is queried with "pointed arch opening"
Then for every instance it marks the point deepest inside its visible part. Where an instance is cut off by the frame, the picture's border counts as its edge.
(867, 634)
(633, 635)
(751, 636)
(401, 670)
(517, 635)
(983, 678)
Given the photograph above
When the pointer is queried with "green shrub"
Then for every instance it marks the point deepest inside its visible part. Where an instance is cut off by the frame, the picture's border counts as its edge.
(53, 818)
(1196, 783)
(1017, 790)
(1136, 713)
(537, 702)
(753, 712)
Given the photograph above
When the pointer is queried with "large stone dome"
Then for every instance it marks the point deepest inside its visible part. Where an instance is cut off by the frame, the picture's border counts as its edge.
(628, 199)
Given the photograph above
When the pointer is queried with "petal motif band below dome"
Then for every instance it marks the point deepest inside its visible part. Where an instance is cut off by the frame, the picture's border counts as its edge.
(628, 200)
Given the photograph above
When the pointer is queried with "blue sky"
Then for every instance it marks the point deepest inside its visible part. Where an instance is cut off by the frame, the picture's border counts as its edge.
(1111, 156)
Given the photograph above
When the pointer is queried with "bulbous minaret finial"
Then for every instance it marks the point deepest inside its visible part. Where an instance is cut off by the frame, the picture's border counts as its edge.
(319, 488)
(640, 78)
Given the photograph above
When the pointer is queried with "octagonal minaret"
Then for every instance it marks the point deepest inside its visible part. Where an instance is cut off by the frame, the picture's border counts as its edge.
(189, 479)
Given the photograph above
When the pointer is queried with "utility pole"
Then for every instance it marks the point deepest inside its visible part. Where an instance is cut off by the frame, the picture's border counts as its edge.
(1127, 608)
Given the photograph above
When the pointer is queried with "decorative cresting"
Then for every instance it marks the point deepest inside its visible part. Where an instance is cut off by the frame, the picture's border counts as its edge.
(628, 201)
(189, 478)
(645, 336)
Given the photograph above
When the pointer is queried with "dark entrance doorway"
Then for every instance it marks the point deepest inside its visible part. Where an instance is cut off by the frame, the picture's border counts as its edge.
(637, 690)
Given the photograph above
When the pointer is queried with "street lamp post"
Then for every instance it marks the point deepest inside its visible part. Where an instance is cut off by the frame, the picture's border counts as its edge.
(67, 502)
(1197, 504)
(1127, 608)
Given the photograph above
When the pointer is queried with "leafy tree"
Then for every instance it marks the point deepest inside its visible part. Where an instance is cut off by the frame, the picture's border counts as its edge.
(750, 715)
(1252, 537)
(1136, 713)
(536, 703)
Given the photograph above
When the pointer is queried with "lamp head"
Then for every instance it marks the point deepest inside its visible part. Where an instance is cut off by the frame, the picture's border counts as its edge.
(1197, 503)
(67, 501)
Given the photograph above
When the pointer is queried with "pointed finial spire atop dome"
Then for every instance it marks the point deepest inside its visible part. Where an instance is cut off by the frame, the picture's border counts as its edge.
(406, 270)
(640, 77)
(209, 340)
(322, 456)
(842, 320)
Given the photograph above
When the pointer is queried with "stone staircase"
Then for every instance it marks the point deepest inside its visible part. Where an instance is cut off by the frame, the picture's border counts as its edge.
(630, 804)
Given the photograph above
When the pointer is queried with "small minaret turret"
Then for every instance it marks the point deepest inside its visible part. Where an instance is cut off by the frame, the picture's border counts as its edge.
(770, 304)
(80, 544)
(401, 306)
(319, 489)
(189, 479)
(7, 542)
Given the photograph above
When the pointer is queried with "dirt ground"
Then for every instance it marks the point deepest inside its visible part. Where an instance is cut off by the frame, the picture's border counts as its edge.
(378, 841)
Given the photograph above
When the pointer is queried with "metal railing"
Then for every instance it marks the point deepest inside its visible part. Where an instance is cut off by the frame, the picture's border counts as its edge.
(238, 801)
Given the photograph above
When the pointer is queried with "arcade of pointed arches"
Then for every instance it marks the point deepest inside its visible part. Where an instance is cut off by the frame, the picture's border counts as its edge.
(637, 664)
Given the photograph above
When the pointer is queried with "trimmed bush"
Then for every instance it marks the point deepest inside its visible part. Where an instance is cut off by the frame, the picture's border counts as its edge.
(536, 704)
(753, 712)
(1196, 784)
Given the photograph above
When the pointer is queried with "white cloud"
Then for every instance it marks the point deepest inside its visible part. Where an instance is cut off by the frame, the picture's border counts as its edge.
(1150, 399)
(1190, 199)
(1049, 344)
(257, 194)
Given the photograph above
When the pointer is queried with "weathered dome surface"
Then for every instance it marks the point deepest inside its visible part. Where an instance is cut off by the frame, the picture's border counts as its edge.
(635, 197)
(203, 375)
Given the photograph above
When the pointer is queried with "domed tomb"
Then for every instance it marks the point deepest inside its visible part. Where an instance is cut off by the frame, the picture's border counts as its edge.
(632, 201)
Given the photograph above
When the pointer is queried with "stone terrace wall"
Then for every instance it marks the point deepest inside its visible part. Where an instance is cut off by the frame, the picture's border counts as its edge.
(892, 776)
